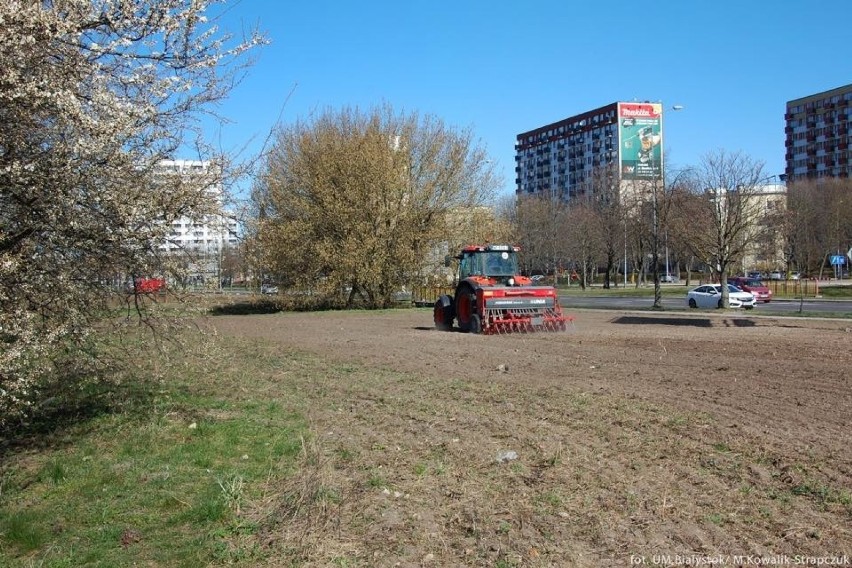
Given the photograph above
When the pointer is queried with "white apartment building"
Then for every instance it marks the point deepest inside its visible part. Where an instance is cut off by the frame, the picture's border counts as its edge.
(764, 249)
(204, 239)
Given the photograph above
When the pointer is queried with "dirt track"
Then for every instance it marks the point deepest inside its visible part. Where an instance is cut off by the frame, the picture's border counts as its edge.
(653, 434)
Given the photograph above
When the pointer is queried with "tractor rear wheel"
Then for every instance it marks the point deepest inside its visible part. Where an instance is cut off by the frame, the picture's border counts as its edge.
(475, 324)
(465, 306)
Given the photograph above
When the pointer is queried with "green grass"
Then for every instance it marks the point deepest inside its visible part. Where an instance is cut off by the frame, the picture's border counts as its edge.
(165, 482)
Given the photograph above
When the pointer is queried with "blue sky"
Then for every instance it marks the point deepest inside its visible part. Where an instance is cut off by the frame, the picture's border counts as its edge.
(501, 68)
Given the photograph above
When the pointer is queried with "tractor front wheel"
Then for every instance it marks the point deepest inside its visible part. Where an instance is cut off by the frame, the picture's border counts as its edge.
(443, 313)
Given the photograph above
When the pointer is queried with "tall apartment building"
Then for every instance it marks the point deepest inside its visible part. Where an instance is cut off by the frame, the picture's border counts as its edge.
(566, 159)
(818, 135)
(204, 239)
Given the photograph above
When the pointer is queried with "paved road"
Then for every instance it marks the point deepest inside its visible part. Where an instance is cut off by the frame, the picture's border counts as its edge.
(783, 307)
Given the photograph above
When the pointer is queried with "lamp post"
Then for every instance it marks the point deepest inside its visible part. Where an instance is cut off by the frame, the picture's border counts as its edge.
(655, 244)
(625, 251)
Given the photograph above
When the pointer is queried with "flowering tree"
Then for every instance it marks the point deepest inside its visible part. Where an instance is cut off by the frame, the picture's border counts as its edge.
(93, 95)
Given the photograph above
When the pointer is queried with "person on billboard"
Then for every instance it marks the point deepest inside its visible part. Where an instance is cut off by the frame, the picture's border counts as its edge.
(648, 140)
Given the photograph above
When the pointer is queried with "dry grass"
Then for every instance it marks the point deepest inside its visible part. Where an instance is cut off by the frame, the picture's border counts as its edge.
(404, 470)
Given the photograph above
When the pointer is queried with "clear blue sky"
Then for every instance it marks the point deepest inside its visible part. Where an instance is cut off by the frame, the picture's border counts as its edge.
(504, 67)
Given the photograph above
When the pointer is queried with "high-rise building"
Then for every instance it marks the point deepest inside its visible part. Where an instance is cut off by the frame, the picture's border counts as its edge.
(204, 239)
(210, 232)
(818, 135)
(620, 142)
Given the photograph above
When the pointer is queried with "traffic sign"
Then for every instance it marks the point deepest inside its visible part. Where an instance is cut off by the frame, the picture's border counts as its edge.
(838, 260)
(849, 253)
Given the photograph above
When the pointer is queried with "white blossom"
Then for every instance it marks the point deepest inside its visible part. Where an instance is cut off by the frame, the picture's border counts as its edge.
(92, 96)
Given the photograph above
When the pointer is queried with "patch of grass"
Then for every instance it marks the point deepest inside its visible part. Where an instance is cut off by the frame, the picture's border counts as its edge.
(551, 498)
(165, 480)
(376, 480)
(25, 530)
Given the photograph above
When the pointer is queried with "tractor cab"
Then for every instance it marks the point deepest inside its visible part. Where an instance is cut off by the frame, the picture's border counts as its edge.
(497, 262)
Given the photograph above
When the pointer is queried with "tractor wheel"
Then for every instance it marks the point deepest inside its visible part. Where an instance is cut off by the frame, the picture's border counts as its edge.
(475, 324)
(443, 313)
(692, 303)
(465, 306)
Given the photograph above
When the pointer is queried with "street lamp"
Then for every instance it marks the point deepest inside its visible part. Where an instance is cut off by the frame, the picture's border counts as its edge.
(625, 251)
(656, 229)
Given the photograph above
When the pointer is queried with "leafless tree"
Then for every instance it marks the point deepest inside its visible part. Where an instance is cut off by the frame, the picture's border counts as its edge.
(817, 223)
(584, 239)
(612, 211)
(719, 213)
(541, 225)
(354, 203)
(93, 95)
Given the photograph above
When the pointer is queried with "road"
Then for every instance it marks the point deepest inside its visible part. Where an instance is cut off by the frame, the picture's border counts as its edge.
(776, 307)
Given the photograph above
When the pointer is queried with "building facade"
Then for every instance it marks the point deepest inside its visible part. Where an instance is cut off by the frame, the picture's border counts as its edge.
(764, 249)
(621, 142)
(203, 240)
(818, 135)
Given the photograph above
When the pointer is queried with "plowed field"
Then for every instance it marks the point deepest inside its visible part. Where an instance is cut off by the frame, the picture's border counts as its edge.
(629, 439)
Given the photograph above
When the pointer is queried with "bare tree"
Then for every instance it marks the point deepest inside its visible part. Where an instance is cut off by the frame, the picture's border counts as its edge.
(718, 215)
(355, 202)
(612, 211)
(817, 223)
(584, 239)
(647, 205)
(541, 227)
(93, 95)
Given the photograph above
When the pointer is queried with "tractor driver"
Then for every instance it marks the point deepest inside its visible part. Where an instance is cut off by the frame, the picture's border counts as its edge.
(497, 264)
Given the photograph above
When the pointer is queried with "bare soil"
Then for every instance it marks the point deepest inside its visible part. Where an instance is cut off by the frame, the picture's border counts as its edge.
(630, 436)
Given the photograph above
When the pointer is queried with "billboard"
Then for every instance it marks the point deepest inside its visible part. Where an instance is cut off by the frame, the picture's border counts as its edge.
(640, 150)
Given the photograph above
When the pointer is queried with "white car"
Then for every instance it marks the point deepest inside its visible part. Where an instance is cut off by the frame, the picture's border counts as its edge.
(710, 296)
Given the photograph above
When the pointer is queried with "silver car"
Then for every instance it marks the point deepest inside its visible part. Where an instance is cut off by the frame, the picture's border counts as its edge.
(710, 296)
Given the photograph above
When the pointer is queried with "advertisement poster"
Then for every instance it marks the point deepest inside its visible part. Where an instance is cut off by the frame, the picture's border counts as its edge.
(641, 130)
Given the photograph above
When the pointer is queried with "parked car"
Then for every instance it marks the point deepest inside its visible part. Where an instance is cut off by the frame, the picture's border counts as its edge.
(710, 296)
(755, 274)
(795, 276)
(268, 289)
(776, 275)
(753, 286)
(669, 278)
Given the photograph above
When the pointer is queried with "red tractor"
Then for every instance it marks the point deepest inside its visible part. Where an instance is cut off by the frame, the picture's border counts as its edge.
(492, 297)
